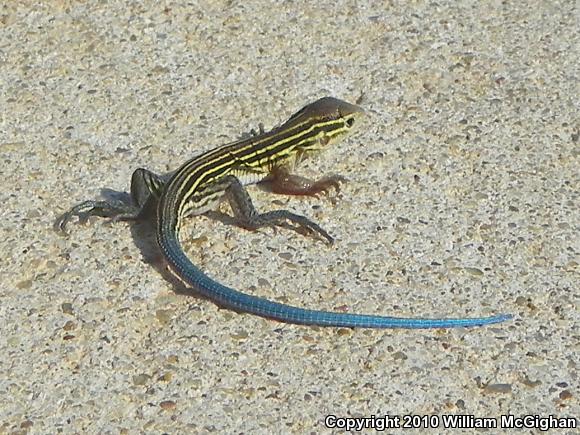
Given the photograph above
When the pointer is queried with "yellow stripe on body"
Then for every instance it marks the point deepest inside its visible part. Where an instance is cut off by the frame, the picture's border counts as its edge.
(249, 160)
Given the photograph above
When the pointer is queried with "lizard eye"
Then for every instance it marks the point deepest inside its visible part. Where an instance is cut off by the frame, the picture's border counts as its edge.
(350, 122)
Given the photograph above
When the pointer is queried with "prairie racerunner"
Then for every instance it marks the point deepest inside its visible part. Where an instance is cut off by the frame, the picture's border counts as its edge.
(201, 182)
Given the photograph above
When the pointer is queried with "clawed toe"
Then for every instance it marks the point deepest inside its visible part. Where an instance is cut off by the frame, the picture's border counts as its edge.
(84, 210)
(326, 184)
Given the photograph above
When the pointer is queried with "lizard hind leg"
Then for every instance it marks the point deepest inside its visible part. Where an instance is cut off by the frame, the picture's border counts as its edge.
(117, 210)
(144, 185)
(145, 188)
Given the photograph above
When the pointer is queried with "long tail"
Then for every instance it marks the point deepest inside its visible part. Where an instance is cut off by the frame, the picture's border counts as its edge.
(230, 298)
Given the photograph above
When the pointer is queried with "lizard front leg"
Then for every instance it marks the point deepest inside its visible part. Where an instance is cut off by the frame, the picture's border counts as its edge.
(249, 218)
(282, 181)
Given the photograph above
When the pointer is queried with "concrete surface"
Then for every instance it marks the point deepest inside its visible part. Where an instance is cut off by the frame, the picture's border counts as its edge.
(462, 201)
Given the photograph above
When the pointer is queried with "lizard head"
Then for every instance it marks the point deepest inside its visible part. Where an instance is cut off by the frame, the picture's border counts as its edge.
(323, 123)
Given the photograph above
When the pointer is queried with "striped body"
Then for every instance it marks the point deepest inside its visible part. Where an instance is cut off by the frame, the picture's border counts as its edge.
(202, 181)
(195, 187)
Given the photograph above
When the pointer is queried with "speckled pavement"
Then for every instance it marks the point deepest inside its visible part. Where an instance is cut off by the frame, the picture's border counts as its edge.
(462, 200)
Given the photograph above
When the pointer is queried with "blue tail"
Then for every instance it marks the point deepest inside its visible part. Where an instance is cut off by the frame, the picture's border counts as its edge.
(230, 298)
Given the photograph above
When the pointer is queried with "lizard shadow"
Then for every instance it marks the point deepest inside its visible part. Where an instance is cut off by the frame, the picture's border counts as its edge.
(143, 232)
